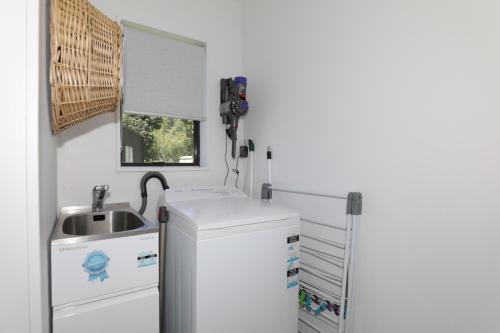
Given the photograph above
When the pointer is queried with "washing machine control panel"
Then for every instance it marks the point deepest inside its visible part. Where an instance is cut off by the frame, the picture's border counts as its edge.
(196, 193)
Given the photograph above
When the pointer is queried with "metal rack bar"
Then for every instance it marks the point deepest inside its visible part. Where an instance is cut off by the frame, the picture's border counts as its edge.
(345, 275)
(324, 195)
(322, 271)
(320, 296)
(323, 319)
(324, 241)
(321, 258)
(321, 277)
(312, 287)
(350, 265)
(326, 254)
(314, 327)
(322, 223)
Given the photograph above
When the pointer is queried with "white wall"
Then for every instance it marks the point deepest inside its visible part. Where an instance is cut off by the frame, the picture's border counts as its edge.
(399, 100)
(14, 282)
(23, 143)
(87, 153)
(47, 168)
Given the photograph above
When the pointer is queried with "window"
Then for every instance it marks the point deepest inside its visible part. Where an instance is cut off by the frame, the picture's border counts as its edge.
(163, 98)
(159, 141)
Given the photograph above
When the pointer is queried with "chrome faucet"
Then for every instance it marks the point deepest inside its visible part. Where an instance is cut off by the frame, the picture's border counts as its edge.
(98, 194)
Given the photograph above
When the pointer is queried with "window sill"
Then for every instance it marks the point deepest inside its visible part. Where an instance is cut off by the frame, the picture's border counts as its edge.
(161, 169)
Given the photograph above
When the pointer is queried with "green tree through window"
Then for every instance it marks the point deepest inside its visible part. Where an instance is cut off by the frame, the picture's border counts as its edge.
(157, 140)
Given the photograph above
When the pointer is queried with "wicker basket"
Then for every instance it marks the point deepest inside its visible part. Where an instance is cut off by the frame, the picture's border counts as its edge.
(85, 63)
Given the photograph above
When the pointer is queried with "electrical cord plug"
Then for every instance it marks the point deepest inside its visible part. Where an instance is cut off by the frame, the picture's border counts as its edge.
(251, 146)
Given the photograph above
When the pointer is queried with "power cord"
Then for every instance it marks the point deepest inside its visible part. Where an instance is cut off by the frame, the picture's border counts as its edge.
(225, 157)
(237, 172)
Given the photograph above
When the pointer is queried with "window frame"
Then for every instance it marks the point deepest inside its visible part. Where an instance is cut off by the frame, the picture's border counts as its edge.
(200, 161)
(196, 148)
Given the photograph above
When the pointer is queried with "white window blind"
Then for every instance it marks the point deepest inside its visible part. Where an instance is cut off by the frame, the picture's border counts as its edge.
(164, 74)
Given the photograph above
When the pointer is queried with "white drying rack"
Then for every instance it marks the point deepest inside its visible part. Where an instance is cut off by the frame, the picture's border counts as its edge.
(336, 288)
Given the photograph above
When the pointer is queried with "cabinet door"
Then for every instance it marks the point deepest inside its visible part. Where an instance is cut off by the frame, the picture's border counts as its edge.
(129, 313)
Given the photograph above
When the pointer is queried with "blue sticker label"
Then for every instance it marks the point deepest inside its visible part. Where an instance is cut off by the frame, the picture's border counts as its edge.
(292, 276)
(293, 263)
(146, 259)
(95, 265)
(293, 248)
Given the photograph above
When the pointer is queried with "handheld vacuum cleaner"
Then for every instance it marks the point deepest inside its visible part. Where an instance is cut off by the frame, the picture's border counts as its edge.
(233, 105)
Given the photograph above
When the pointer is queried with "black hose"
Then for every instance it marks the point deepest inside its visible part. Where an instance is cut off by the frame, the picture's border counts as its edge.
(144, 191)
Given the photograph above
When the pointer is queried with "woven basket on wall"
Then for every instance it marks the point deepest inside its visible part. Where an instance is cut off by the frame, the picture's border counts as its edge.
(85, 62)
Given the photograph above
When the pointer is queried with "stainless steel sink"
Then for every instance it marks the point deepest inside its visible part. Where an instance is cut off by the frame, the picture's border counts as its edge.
(78, 224)
(101, 223)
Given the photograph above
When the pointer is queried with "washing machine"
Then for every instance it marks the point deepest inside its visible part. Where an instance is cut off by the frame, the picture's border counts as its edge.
(232, 263)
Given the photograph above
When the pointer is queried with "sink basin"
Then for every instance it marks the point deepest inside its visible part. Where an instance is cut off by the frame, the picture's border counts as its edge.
(99, 223)
(78, 224)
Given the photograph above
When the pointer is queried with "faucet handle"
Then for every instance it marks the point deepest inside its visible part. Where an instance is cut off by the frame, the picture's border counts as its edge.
(99, 188)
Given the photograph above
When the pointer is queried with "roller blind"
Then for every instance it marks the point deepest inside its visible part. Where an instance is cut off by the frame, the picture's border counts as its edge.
(164, 74)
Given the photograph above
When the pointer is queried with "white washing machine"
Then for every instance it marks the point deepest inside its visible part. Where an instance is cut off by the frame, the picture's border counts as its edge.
(104, 277)
(232, 263)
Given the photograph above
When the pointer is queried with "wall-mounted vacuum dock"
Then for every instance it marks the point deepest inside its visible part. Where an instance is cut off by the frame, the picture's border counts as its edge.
(233, 105)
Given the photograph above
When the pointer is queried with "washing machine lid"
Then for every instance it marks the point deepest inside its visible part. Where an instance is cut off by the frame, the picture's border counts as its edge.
(222, 207)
